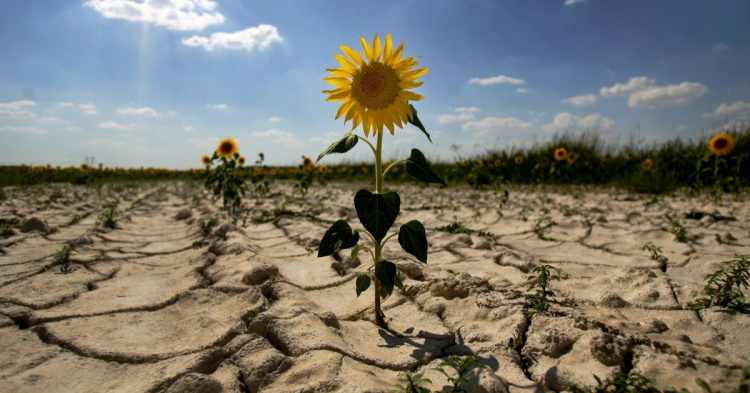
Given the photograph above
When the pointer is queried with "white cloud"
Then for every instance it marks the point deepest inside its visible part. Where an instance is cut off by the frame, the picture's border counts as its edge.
(666, 96)
(51, 119)
(282, 137)
(274, 119)
(495, 80)
(15, 110)
(571, 2)
(493, 125)
(171, 113)
(588, 99)
(22, 130)
(644, 93)
(261, 36)
(188, 128)
(131, 143)
(635, 84)
(65, 104)
(205, 143)
(565, 121)
(217, 106)
(111, 125)
(739, 107)
(522, 90)
(73, 128)
(180, 15)
(145, 111)
(89, 109)
(463, 115)
(721, 47)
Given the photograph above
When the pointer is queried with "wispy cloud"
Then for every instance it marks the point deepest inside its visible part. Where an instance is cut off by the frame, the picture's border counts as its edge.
(463, 114)
(261, 36)
(571, 2)
(113, 125)
(217, 106)
(15, 110)
(145, 111)
(738, 108)
(73, 128)
(65, 104)
(131, 143)
(89, 109)
(644, 93)
(568, 122)
(491, 126)
(284, 138)
(584, 100)
(22, 129)
(721, 47)
(181, 15)
(203, 143)
(51, 119)
(274, 119)
(496, 80)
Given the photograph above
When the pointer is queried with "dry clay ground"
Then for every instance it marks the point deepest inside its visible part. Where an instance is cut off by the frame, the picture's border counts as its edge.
(144, 311)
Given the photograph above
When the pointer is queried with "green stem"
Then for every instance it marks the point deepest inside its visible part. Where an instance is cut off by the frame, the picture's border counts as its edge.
(394, 164)
(379, 320)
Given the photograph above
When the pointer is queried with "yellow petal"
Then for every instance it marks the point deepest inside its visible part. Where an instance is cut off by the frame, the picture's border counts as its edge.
(397, 53)
(338, 94)
(339, 72)
(346, 63)
(409, 84)
(344, 108)
(376, 49)
(352, 112)
(411, 75)
(337, 81)
(410, 96)
(366, 48)
(352, 53)
(388, 50)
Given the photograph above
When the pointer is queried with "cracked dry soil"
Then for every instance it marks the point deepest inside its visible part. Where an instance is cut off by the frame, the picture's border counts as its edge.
(145, 311)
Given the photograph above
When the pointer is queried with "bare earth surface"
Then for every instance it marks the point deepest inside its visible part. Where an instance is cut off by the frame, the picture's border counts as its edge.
(145, 311)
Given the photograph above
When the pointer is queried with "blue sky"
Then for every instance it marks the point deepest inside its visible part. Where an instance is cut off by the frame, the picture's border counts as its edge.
(159, 82)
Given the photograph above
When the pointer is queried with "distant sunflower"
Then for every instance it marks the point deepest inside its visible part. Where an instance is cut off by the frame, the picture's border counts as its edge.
(629, 155)
(606, 157)
(647, 165)
(572, 157)
(561, 153)
(721, 144)
(83, 167)
(323, 169)
(227, 148)
(307, 163)
(519, 159)
(375, 92)
(465, 162)
(206, 160)
(479, 164)
(241, 160)
(497, 162)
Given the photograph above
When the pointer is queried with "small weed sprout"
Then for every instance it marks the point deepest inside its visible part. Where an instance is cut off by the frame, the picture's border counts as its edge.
(207, 226)
(462, 367)
(63, 258)
(539, 300)
(656, 255)
(677, 229)
(101, 256)
(6, 230)
(724, 287)
(411, 383)
(108, 218)
(516, 340)
(622, 382)
(539, 228)
(74, 220)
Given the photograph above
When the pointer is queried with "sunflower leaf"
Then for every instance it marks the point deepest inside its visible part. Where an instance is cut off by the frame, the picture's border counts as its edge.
(377, 212)
(343, 145)
(338, 237)
(418, 168)
(363, 282)
(386, 272)
(413, 240)
(414, 120)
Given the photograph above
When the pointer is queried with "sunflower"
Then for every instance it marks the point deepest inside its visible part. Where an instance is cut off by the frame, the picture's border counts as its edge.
(479, 164)
(572, 157)
(323, 169)
(647, 165)
(375, 92)
(721, 144)
(519, 159)
(307, 163)
(227, 148)
(83, 167)
(629, 155)
(465, 162)
(606, 157)
(206, 160)
(561, 153)
(241, 160)
(497, 162)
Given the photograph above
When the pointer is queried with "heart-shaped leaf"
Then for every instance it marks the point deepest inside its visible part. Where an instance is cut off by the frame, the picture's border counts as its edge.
(412, 238)
(363, 282)
(343, 145)
(418, 168)
(377, 212)
(386, 272)
(414, 120)
(339, 236)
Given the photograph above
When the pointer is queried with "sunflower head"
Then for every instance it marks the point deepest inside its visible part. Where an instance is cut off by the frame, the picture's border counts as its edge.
(629, 155)
(572, 157)
(374, 89)
(307, 163)
(323, 169)
(721, 144)
(647, 164)
(206, 160)
(519, 159)
(83, 167)
(561, 153)
(606, 157)
(227, 148)
(497, 162)
(241, 160)
(479, 163)
(465, 162)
